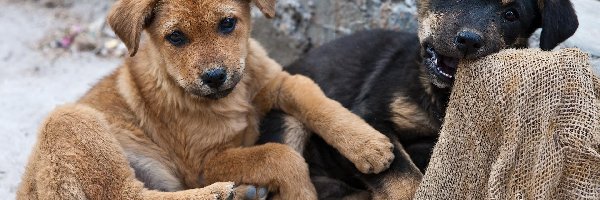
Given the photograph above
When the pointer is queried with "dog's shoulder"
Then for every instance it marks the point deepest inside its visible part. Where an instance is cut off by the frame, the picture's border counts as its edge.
(106, 97)
(354, 64)
(259, 60)
(260, 68)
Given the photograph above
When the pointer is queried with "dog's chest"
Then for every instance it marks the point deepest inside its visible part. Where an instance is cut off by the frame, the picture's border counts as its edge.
(223, 129)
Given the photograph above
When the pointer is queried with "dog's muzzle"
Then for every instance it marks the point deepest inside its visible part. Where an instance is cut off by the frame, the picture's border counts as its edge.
(211, 93)
(216, 83)
(440, 68)
(220, 94)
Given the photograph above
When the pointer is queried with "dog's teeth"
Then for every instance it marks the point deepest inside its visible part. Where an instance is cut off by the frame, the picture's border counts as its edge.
(443, 73)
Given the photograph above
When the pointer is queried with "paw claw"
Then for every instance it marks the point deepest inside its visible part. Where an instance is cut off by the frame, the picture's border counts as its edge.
(375, 156)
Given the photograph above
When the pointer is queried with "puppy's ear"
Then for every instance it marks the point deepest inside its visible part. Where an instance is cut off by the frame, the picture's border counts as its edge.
(559, 22)
(267, 7)
(128, 18)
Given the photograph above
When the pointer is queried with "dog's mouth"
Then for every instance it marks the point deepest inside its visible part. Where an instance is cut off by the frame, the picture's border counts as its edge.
(214, 95)
(441, 68)
(219, 94)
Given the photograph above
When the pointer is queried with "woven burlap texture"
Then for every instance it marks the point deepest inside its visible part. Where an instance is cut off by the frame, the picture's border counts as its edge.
(520, 124)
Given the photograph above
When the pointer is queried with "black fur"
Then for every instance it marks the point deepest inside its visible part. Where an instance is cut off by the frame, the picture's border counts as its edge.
(384, 63)
(559, 22)
(368, 71)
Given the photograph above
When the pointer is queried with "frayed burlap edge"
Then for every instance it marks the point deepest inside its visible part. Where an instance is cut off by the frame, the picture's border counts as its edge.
(521, 124)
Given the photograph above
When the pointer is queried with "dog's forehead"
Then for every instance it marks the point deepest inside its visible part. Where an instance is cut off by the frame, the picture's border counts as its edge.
(205, 9)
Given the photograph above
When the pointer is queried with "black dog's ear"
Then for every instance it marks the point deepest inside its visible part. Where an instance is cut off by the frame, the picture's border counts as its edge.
(128, 18)
(267, 7)
(559, 22)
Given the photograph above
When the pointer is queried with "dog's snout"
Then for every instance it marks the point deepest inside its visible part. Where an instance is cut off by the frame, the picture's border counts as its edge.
(214, 78)
(468, 42)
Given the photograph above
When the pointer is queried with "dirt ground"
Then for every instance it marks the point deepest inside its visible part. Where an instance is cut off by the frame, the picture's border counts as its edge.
(33, 82)
(36, 74)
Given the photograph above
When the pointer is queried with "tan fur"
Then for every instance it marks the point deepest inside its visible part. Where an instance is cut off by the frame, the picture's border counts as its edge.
(76, 157)
(408, 115)
(177, 139)
(399, 185)
(428, 23)
(506, 2)
(302, 98)
(296, 134)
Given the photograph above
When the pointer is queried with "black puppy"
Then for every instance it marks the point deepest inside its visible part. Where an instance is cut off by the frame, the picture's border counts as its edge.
(467, 29)
(400, 84)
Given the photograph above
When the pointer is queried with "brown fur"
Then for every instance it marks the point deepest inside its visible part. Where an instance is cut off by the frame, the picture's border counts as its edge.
(408, 115)
(399, 185)
(507, 2)
(296, 135)
(76, 157)
(175, 138)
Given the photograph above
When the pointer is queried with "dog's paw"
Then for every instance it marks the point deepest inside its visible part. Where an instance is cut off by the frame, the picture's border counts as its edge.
(222, 190)
(373, 155)
(250, 192)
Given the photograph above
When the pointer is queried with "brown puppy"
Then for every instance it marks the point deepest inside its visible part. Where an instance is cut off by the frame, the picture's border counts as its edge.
(185, 109)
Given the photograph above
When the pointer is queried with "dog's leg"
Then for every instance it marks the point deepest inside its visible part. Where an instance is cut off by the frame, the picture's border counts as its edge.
(400, 181)
(275, 166)
(148, 168)
(76, 157)
(212, 192)
(296, 135)
(369, 150)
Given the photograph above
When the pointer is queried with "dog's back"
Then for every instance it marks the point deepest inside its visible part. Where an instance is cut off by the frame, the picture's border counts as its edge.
(376, 74)
(346, 66)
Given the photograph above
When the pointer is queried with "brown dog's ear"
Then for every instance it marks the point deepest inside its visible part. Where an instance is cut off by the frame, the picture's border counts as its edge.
(559, 22)
(267, 7)
(128, 18)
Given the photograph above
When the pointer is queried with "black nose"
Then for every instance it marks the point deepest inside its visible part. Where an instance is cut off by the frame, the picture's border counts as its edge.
(214, 78)
(468, 42)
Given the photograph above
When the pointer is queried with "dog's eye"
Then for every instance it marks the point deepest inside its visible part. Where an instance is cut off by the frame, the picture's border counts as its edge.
(511, 15)
(227, 25)
(177, 38)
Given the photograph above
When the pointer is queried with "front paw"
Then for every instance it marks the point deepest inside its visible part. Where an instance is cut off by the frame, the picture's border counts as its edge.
(221, 190)
(372, 154)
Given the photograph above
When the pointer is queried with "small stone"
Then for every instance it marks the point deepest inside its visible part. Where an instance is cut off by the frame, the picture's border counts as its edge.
(111, 44)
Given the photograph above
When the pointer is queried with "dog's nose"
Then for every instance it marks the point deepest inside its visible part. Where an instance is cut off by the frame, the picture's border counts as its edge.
(468, 42)
(214, 78)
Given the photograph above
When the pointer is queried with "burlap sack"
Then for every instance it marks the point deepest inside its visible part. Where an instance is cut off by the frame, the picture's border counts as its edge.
(521, 124)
